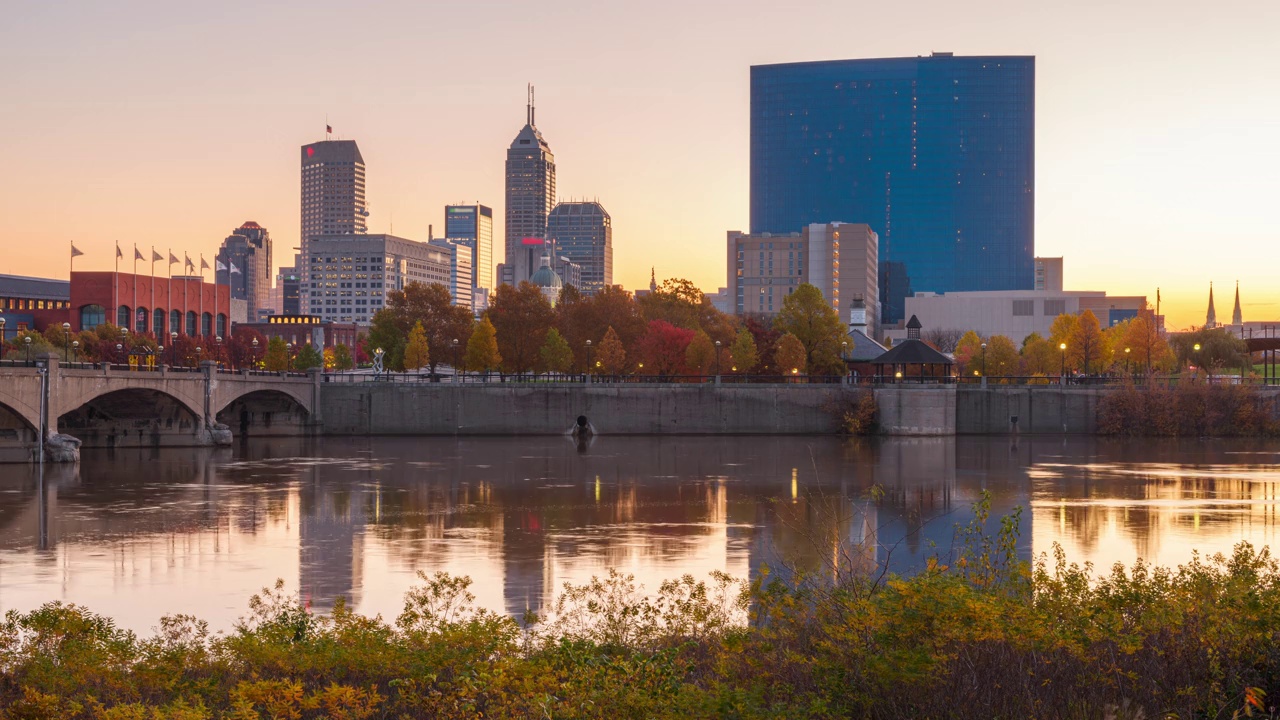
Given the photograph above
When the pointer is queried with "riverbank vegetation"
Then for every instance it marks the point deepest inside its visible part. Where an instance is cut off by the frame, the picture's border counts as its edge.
(976, 634)
(1188, 409)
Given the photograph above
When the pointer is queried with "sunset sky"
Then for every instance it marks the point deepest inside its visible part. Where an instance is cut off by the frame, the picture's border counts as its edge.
(170, 124)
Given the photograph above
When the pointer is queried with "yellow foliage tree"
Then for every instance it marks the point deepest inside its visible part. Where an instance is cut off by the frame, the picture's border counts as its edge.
(790, 355)
(482, 348)
(1085, 347)
(613, 357)
(416, 353)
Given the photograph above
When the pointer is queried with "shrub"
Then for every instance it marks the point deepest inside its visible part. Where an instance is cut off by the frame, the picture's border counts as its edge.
(1187, 410)
(855, 412)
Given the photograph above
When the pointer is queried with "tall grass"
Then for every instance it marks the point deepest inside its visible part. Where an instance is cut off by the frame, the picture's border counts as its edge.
(1188, 410)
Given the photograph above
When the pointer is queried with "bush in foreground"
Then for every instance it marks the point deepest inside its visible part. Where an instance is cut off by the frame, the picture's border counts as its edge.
(980, 635)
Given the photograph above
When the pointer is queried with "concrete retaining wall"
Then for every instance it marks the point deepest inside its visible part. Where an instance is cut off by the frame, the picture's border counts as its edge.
(997, 410)
(497, 409)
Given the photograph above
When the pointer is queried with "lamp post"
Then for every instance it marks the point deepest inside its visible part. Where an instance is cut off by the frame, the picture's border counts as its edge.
(198, 355)
(173, 348)
(66, 340)
(717, 361)
(1196, 357)
(159, 353)
(455, 359)
(1126, 361)
(75, 350)
(1062, 378)
(217, 343)
(119, 351)
(288, 356)
(2, 337)
(27, 341)
(588, 361)
(984, 363)
(377, 363)
(254, 353)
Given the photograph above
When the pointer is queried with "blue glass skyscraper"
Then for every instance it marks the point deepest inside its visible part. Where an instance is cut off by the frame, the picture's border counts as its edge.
(936, 154)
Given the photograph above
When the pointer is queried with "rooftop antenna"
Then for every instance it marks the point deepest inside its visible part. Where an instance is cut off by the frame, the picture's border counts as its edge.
(529, 108)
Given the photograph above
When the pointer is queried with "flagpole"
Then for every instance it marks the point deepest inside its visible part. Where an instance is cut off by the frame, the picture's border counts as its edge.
(133, 313)
(115, 286)
(169, 287)
(200, 322)
(153, 294)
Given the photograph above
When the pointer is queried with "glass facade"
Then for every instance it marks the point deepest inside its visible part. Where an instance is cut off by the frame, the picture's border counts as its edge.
(936, 154)
(474, 224)
(583, 233)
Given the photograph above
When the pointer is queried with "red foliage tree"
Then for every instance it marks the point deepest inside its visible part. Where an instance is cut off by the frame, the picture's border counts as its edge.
(662, 349)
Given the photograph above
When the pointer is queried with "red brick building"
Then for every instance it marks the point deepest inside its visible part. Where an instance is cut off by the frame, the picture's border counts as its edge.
(300, 329)
(145, 304)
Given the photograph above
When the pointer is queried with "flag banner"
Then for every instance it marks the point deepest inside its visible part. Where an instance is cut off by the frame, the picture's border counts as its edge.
(173, 259)
(137, 254)
(155, 256)
(328, 129)
(188, 263)
(75, 252)
(218, 266)
(203, 265)
(118, 253)
(234, 269)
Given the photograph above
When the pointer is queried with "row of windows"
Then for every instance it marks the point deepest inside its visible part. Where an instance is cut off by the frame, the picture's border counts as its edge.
(7, 303)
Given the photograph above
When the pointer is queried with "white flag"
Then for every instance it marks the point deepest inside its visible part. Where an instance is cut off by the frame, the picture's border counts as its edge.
(218, 266)
(234, 269)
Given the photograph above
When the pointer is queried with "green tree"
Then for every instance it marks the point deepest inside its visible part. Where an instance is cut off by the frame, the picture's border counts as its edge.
(308, 357)
(700, 355)
(806, 315)
(613, 356)
(1002, 357)
(555, 353)
(790, 355)
(277, 357)
(482, 347)
(1218, 349)
(743, 352)
(416, 351)
(385, 332)
(342, 359)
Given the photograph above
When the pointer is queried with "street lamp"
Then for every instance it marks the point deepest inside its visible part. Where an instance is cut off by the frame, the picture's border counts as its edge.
(27, 341)
(717, 358)
(1196, 348)
(66, 339)
(217, 339)
(75, 350)
(198, 357)
(255, 354)
(159, 353)
(173, 348)
(984, 360)
(2, 337)
(1126, 361)
(1063, 348)
(288, 355)
(119, 351)
(455, 359)
(588, 359)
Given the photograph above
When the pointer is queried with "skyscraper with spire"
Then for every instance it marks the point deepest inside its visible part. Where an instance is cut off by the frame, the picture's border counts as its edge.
(1211, 318)
(531, 186)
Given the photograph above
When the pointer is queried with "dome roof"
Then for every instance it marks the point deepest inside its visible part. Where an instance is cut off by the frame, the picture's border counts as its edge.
(545, 277)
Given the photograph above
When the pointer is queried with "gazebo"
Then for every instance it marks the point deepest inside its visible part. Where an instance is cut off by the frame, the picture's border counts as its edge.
(913, 354)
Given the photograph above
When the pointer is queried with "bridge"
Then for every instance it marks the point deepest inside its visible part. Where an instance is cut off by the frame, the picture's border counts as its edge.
(115, 406)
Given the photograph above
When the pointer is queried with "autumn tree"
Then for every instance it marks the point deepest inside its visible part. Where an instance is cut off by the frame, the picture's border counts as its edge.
(1149, 348)
(968, 351)
(743, 352)
(521, 316)
(613, 356)
(1002, 357)
(277, 358)
(1218, 349)
(790, 356)
(342, 359)
(581, 318)
(555, 353)
(943, 340)
(663, 347)
(807, 316)
(700, 355)
(309, 356)
(417, 352)
(385, 332)
(1039, 357)
(482, 347)
(432, 306)
(1085, 347)
(1062, 328)
(681, 303)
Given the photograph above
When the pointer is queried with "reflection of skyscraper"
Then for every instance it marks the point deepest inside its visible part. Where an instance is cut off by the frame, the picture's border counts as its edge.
(330, 543)
(527, 577)
(531, 186)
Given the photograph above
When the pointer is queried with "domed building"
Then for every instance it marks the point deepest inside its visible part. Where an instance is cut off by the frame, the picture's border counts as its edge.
(547, 280)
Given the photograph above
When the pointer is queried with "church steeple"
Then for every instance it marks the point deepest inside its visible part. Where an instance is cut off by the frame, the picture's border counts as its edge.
(1211, 319)
(1237, 318)
(653, 281)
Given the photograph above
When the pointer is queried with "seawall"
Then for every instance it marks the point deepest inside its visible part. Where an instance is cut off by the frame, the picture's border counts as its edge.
(679, 409)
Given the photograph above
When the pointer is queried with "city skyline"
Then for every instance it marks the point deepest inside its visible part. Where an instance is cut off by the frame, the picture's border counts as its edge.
(1166, 186)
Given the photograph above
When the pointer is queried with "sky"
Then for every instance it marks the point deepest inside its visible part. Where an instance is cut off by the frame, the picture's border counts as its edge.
(170, 124)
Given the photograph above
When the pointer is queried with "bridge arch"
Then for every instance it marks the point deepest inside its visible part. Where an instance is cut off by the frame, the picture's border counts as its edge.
(263, 411)
(20, 409)
(132, 417)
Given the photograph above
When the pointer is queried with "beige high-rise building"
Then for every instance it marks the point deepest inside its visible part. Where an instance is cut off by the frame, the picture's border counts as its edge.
(1049, 274)
(840, 259)
(333, 194)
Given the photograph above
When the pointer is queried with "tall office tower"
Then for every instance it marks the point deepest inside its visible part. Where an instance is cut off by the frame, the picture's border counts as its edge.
(289, 289)
(244, 263)
(936, 154)
(583, 232)
(473, 224)
(1049, 274)
(531, 186)
(333, 200)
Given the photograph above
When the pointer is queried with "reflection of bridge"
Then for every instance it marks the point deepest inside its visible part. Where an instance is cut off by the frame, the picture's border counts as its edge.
(107, 407)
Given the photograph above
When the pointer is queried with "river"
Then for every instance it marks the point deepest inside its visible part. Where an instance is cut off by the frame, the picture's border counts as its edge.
(139, 534)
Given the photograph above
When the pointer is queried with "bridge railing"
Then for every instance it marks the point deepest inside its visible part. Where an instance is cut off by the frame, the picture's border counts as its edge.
(482, 380)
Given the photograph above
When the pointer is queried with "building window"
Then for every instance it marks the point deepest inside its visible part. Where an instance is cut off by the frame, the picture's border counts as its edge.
(159, 325)
(122, 316)
(222, 325)
(206, 325)
(141, 319)
(191, 323)
(175, 322)
(1054, 308)
(91, 316)
(1024, 308)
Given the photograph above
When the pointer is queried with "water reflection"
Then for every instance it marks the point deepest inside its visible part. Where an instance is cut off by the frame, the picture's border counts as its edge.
(141, 533)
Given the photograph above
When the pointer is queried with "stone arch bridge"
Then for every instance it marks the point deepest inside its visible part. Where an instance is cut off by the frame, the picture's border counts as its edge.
(111, 407)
